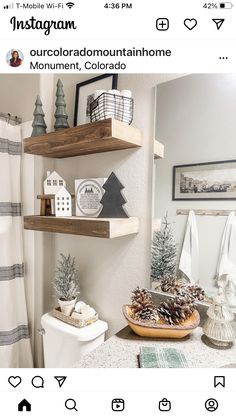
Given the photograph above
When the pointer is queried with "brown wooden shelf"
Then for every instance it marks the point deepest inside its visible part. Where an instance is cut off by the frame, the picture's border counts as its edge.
(94, 227)
(51, 196)
(97, 137)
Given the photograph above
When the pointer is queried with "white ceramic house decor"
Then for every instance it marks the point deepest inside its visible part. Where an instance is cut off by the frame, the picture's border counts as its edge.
(63, 203)
(53, 183)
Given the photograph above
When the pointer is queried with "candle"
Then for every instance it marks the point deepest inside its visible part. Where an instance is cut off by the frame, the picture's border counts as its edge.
(126, 93)
(111, 103)
(114, 92)
(98, 93)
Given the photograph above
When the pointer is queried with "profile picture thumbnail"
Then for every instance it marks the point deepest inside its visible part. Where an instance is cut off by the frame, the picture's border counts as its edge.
(14, 58)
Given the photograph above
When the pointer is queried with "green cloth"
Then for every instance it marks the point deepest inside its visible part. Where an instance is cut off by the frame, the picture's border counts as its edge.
(150, 357)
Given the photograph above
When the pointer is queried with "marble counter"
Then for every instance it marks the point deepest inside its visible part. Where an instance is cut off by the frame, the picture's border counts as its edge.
(122, 350)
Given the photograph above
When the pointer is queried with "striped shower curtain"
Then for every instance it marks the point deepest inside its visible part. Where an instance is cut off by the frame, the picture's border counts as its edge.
(15, 347)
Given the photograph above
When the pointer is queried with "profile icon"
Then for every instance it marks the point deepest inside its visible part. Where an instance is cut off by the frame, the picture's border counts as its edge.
(211, 405)
(15, 58)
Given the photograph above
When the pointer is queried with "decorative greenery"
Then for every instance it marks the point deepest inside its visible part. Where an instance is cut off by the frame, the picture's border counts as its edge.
(164, 253)
(66, 283)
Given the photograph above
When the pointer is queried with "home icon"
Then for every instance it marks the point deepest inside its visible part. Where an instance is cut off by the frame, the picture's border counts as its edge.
(24, 405)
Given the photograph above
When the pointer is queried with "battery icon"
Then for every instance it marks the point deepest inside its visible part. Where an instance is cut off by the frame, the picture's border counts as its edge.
(226, 5)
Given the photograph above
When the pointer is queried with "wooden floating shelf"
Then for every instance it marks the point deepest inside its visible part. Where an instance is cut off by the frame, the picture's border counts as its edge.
(94, 227)
(97, 137)
(51, 196)
(158, 150)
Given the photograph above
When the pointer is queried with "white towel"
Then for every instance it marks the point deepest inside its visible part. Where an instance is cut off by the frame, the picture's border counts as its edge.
(227, 258)
(189, 259)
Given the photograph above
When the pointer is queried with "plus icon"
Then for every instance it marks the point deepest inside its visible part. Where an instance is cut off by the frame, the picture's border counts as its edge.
(162, 24)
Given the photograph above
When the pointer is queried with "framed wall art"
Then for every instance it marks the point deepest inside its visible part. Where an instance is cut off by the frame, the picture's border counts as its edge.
(88, 194)
(205, 181)
(84, 95)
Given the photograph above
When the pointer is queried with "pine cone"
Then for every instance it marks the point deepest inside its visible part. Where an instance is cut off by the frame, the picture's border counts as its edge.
(194, 291)
(146, 314)
(176, 310)
(141, 299)
(171, 284)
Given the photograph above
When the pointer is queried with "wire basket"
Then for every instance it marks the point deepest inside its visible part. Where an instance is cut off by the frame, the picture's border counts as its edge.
(108, 105)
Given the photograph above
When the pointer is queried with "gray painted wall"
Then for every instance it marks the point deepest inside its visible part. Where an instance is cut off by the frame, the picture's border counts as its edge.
(109, 270)
(18, 94)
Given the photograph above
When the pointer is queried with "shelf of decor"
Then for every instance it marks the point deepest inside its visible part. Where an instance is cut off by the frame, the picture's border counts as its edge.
(158, 150)
(97, 137)
(93, 227)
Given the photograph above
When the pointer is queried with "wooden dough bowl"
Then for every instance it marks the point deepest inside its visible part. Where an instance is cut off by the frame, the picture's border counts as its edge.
(161, 329)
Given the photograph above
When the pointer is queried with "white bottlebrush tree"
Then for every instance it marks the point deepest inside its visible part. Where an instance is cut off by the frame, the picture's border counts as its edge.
(164, 252)
(66, 283)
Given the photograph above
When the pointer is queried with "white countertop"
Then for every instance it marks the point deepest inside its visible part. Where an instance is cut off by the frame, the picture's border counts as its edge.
(122, 350)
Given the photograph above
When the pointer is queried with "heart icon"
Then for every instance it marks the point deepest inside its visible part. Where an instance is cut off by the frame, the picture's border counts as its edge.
(14, 381)
(190, 23)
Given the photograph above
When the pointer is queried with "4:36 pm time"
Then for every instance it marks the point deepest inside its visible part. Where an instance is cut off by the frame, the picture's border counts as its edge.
(118, 6)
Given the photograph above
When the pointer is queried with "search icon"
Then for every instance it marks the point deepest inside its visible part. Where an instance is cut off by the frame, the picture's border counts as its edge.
(71, 404)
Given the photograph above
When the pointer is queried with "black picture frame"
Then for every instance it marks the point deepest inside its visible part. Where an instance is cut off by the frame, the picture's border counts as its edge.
(79, 86)
(210, 195)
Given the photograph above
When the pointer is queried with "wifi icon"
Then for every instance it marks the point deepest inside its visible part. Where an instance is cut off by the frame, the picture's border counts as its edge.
(70, 4)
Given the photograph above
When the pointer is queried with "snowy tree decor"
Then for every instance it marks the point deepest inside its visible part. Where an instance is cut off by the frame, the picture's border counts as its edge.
(66, 283)
(39, 126)
(164, 253)
(60, 113)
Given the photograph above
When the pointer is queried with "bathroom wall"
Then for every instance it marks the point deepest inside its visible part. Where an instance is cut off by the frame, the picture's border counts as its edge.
(196, 122)
(18, 94)
(109, 269)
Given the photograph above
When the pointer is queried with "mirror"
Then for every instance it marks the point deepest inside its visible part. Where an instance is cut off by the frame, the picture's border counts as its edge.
(195, 183)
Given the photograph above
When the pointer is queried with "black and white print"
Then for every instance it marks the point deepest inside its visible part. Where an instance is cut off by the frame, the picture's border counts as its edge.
(205, 181)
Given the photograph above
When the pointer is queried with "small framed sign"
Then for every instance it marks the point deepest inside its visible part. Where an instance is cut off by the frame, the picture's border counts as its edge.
(88, 194)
